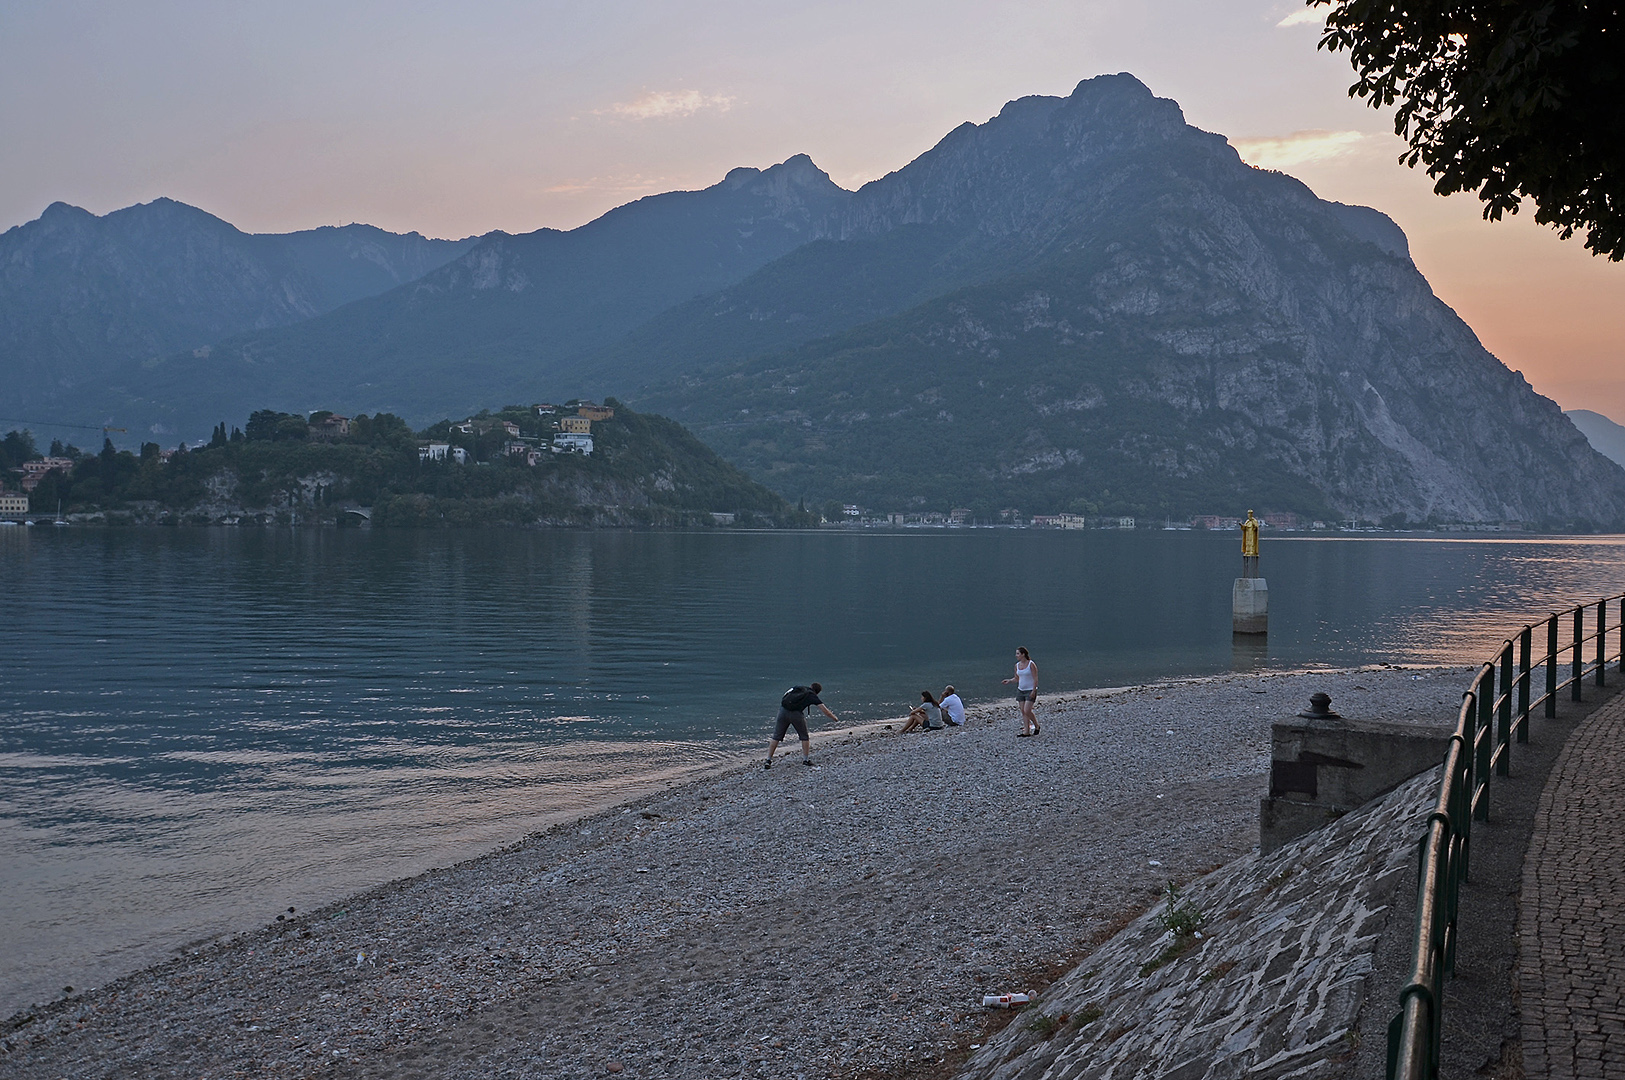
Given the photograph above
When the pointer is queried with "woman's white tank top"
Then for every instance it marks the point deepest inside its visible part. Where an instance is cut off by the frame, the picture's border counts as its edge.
(1025, 679)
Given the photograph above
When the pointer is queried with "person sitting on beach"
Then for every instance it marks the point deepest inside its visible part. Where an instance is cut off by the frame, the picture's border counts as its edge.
(919, 717)
(793, 713)
(953, 708)
(915, 721)
(927, 699)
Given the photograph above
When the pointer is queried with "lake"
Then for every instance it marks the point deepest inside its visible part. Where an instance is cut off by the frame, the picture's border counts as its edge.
(201, 728)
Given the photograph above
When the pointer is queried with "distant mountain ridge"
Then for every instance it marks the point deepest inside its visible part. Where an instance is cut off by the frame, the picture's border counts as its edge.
(82, 296)
(1604, 435)
(512, 318)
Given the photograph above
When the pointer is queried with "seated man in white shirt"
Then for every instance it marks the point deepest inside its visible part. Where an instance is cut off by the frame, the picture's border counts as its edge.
(953, 709)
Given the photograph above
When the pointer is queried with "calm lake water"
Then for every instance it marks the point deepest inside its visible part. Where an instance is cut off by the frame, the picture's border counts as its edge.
(201, 728)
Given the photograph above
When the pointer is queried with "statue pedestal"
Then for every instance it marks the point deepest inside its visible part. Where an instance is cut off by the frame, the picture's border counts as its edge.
(1250, 606)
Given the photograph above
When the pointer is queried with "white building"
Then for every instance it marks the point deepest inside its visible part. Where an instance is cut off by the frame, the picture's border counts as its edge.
(13, 507)
(572, 442)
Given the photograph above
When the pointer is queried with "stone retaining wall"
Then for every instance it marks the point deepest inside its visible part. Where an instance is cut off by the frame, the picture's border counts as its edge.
(1272, 988)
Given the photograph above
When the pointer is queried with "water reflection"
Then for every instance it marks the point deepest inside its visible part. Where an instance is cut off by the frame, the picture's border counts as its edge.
(1249, 651)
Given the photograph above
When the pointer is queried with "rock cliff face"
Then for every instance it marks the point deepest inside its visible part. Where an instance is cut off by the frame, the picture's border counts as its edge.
(1150, 325)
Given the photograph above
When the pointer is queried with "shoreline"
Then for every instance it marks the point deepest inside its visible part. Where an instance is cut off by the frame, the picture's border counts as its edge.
(651, 905)
(94, 946)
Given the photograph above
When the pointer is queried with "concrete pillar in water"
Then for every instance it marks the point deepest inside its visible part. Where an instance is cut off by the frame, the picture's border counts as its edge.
(1250, 598)
(1250, 606)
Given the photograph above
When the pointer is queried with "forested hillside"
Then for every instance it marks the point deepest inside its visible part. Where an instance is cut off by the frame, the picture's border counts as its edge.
(643, 470)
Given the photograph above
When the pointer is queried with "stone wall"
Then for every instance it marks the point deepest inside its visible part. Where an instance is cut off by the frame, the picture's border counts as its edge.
(1272, 988)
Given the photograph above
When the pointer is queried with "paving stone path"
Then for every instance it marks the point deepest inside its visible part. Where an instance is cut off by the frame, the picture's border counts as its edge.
(1571, 976)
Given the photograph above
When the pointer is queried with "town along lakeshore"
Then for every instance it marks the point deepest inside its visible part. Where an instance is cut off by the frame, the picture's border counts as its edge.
(206, 727)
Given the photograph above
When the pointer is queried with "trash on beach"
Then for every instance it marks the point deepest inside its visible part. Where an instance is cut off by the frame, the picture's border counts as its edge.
(1005, 1001)
(1153, 862)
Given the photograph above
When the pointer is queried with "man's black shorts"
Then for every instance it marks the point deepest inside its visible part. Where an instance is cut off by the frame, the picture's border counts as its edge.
(787, 720)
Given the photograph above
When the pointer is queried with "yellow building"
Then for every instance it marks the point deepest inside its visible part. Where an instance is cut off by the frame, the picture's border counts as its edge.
(575, 425)
(13, 506)
(595, 412)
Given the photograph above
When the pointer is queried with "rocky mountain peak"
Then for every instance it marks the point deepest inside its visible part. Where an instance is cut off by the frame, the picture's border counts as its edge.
(1042, 163)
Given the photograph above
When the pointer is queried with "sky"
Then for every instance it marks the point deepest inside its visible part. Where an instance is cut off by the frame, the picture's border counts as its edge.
(456, 119)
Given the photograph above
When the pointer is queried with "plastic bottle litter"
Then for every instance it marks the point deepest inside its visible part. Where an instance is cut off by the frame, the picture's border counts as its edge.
(1005, 1001)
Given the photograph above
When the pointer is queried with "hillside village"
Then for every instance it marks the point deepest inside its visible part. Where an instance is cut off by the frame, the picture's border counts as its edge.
(524, 434)
(579, 463)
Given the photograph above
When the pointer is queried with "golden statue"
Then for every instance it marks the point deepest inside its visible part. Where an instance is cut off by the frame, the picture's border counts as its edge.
(1249, 537)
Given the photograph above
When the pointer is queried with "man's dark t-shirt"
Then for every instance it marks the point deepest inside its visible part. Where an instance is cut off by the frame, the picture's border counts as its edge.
(792, 712)
(799, 700)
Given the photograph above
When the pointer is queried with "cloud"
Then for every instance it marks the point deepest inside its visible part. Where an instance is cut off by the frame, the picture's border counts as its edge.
(667, 104)
(619, 184)
(1301, 147)
(1304, 17)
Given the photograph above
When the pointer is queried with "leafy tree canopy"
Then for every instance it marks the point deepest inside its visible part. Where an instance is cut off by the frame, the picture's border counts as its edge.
(16, 448)
(1511, 99)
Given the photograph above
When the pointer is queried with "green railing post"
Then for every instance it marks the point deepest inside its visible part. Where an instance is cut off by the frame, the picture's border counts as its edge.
(1578, 681)
(1461, 802)
(1483, 744)
(1551, 666)
(1524, 644)
(1503, 736)
(1602, 641)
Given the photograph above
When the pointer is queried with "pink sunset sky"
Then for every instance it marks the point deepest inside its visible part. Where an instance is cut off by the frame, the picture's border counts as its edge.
(452, 119)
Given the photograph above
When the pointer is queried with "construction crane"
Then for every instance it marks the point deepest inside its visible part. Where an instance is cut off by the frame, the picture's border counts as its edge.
(105, 429)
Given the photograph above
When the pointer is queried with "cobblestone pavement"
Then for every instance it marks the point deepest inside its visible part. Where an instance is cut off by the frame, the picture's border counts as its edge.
(1571, 976)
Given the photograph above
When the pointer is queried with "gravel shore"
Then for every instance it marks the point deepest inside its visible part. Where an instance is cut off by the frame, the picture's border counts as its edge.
(837, 921)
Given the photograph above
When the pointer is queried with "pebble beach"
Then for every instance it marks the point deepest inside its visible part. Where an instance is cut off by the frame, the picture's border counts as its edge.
(839, 921)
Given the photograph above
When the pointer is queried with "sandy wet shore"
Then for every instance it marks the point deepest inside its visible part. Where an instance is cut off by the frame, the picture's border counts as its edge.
(842, 920)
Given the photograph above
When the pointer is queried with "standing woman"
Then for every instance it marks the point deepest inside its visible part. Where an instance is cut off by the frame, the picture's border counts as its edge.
(1026, 680)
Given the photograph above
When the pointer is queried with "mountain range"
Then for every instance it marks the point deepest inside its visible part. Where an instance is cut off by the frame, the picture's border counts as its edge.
(86, 298)
(1082, 304)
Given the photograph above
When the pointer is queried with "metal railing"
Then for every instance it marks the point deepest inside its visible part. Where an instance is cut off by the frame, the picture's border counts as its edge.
(1495, 713)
